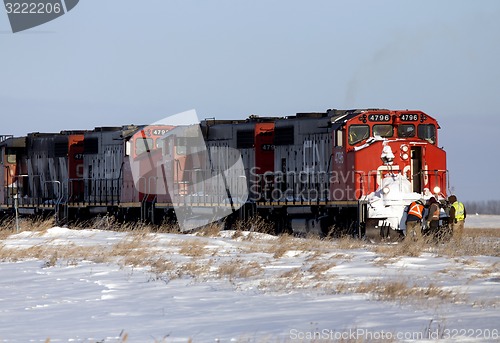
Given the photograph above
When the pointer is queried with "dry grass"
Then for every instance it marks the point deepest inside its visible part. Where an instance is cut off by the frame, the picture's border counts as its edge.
(162, 266)
(285, 243)
(491, 272)
(319, 268)
(192, 248)
(111, 223)
(8, 225)
(405, 248)
(195, 260)
(254, 224)
(282, 246)
(471, 232)
(469, 246)
(293, 274)
(466, 246)
(37, 224)
(168, 270)
(348, 242)
(134, 249)
(400, 290)
(194, 269)
(210, 230)
(239, 269)
(69, 253)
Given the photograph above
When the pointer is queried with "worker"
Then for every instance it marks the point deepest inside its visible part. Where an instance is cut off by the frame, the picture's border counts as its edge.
(457, 216)
(433, 216)
(414, 220)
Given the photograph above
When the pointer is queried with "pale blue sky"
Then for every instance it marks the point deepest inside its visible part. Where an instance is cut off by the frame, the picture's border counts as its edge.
(113, 62)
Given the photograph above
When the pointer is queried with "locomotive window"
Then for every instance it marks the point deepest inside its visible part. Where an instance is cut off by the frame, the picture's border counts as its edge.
(181, 150)
(358, 133)
(339, 139)
(427, 132)
(181, 145)
(158, 143)
(10, 156)
(406, 130)
(383, 130)
(143, 145)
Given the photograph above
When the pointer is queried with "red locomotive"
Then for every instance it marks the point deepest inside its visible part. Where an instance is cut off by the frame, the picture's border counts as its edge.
(348, 170)
(343, 170)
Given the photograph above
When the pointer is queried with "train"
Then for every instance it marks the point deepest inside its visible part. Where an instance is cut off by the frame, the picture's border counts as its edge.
(333, 172)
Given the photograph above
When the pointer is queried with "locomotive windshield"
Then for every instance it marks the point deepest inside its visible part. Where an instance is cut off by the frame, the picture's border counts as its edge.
(383, 130)
(427, 132)
(406, 130)
(11, 156)
(143, 145)
(358, 133)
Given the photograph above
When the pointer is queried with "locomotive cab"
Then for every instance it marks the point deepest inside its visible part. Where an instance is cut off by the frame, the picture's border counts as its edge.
(397, 160)
(13, 183)
(412, 140)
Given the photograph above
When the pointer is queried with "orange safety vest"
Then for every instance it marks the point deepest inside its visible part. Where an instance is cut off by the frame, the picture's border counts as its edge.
(437, 211)
(416, 209)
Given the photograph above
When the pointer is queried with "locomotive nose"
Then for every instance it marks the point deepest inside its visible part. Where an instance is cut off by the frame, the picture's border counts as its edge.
(387, 155)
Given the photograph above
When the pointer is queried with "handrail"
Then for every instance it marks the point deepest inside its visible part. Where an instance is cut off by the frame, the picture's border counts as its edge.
(3, 138)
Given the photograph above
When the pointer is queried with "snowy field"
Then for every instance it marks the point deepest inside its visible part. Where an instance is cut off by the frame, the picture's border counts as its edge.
(64, 285)
(483, 221)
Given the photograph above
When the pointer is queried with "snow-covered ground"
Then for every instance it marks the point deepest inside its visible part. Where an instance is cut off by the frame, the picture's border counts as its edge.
(483, 221)
(63, 285)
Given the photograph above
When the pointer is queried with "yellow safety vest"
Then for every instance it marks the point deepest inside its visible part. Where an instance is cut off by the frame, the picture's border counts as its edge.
(459, 210)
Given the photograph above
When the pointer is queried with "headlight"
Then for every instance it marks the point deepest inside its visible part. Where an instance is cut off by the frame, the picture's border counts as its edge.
(386, 190)
(405, 156)
(437, 190)
(404, 148)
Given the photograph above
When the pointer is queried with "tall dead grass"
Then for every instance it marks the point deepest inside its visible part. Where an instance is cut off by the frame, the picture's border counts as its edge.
(400, 290)
(210, 230)
(254, 224)
(239, 269)
(312, 246)
(464, 246)
(193, 248)
(470, 246)
(471, 232)
(111, 223)
(36, 224)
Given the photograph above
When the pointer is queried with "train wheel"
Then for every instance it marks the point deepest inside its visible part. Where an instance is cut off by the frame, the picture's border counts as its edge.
(381, 233)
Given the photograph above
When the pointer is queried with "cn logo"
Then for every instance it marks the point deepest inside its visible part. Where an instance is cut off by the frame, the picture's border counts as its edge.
(25, 14)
